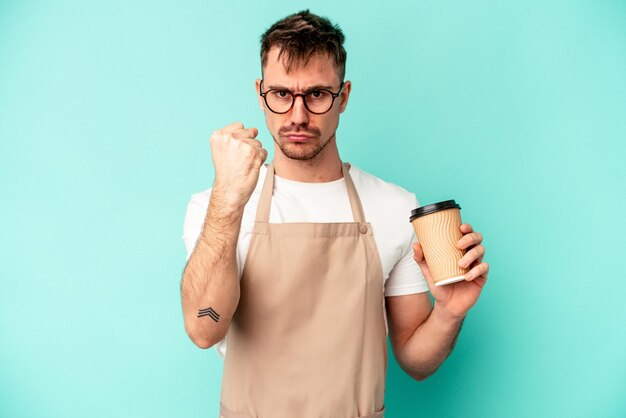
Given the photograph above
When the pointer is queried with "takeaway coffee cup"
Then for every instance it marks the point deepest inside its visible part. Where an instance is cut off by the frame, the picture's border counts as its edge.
(437, 227)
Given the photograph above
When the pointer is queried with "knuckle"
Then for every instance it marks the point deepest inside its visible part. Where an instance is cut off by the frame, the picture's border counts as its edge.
(245, 146)
(251, 152)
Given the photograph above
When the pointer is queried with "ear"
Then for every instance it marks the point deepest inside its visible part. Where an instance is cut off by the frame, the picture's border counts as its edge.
(345, 94)
(257, 85)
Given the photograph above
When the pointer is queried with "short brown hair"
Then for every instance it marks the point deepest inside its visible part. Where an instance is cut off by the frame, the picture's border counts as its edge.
(301, 35)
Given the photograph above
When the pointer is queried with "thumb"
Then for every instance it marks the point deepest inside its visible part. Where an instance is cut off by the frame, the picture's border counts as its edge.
(418, 256)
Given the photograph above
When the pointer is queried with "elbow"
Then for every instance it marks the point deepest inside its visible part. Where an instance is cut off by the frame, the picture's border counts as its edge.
(203, 343)
(420, 377)
(200, 340)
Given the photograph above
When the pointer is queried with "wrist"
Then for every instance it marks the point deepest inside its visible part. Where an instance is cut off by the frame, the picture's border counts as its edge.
(225, 200)
(448, 320)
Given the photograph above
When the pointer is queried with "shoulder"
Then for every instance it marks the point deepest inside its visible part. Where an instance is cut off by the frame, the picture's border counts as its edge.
(392, 196)
(387, 207)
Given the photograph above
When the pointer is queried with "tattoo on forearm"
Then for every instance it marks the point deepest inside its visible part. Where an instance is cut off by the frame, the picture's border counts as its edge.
(209, 312)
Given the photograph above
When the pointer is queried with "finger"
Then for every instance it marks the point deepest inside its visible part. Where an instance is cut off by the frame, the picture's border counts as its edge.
(466, 228)
(480, 270)
(418, 253)
(472, 255)
(254, 142)
(245, 133)
(261, 156)
(469, 240)
(418, 256)
(480, 281)
(476, 262)
(232, 127)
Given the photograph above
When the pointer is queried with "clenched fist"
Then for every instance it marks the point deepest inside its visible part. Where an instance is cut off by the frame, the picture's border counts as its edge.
(237, 158)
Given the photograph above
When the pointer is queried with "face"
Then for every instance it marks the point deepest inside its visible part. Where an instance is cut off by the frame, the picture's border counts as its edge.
(300, 134)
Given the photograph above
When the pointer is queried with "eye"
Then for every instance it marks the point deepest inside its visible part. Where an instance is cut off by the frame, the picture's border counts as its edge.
(316, 94)
(280, 95)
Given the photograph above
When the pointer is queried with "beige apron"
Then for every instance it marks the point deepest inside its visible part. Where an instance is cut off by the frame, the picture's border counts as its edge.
(308, 339)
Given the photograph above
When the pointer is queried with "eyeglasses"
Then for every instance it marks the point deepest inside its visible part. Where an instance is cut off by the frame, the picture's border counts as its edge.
(316, 101)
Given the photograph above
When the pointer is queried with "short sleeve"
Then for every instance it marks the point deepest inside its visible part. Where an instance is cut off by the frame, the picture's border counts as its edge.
(406, 277)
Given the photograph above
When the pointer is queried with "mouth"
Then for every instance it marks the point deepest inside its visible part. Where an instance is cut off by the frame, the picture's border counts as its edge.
(298, 137)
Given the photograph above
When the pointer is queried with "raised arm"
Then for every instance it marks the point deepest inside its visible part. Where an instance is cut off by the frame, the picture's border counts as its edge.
(210, 282)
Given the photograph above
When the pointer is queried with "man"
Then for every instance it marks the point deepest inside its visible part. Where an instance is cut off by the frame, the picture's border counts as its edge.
(305, 262)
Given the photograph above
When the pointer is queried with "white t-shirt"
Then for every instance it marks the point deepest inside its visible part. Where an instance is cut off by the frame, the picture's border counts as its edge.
(386, 207)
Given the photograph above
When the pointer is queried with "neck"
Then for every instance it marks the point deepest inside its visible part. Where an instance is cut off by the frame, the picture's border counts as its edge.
(324, 167)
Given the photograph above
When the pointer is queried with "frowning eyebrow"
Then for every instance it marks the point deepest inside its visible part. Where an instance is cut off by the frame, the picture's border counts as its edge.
(314, 87)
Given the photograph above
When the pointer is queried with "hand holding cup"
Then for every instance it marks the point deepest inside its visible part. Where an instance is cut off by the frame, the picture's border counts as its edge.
(450, 256)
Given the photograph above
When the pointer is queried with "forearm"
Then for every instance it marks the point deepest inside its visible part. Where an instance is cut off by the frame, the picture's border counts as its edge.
(427, 348)
(211, 278)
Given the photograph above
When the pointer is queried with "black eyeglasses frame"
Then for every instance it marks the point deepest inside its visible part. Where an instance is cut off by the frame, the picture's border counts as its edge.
(294, 95)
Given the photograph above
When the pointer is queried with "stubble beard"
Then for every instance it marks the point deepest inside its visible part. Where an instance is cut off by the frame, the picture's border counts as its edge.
(302, 151)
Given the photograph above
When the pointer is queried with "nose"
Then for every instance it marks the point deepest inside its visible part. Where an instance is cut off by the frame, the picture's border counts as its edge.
(299, 115)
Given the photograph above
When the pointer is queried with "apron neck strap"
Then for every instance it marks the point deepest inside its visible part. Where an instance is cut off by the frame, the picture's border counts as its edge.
(265, 200)
(263, 210)
(355, 201)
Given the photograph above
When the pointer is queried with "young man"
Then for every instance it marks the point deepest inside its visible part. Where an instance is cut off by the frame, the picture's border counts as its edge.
(304, 263)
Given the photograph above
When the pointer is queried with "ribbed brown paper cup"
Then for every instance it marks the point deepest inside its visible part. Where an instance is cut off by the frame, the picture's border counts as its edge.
(438, 229)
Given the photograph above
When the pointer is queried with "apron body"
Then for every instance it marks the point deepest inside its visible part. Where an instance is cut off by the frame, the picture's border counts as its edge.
(308, 338)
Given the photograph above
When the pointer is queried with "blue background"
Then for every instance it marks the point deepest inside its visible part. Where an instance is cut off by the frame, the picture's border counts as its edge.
(514, 109)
